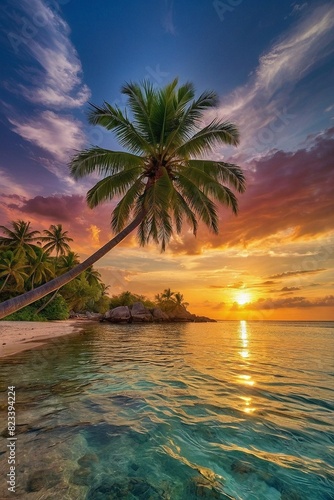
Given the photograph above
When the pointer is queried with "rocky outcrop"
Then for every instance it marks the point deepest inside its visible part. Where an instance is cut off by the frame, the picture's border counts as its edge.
(159, 315)
(138, 313)
(120, 314)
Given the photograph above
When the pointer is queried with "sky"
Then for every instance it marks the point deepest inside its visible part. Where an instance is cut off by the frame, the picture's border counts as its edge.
(271, 64)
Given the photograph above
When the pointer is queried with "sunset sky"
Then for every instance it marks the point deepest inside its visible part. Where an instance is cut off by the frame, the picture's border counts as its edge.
(272, 65)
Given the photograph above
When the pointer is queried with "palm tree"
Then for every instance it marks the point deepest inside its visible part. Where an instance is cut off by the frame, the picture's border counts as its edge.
(20, 237)
(68, 262)
(159, 182)
(56, 239)
(167, 294)
(41, 267)
(12, 268)
(179, 299)
(93, 276)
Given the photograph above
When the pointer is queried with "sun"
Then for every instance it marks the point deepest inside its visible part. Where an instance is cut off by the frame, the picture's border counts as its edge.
(242, 298)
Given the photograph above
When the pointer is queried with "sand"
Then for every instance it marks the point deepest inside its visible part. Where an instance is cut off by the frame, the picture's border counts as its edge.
(17, 336)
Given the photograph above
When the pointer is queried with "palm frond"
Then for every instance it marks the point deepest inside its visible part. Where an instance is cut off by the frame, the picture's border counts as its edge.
(198, 202)
(111, 186)
(112, 118)
(121, 212)
(216, 133)
(103, 162)
(227, 173)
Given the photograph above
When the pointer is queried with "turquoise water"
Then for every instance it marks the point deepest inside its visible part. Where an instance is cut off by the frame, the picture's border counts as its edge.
(229, 410)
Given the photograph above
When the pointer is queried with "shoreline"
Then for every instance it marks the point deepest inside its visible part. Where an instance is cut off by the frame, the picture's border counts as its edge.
(19, 336)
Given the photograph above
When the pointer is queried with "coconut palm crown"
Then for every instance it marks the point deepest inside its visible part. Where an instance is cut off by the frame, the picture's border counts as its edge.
(159, 177)
(56, 239)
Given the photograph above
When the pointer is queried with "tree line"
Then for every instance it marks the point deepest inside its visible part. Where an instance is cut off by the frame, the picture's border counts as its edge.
(31, 258)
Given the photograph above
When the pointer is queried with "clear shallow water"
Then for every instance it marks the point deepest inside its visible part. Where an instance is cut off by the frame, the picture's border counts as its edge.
(230, 410)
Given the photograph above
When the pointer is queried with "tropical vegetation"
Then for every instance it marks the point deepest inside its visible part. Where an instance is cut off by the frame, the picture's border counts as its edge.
(28, 259)
(163, 177)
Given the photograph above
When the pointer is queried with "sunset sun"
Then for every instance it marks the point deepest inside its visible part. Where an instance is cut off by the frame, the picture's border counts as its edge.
(242, 298)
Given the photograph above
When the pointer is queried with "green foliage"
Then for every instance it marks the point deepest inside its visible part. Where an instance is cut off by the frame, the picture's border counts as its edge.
(128, 299)
(80, 294)
(24, 266)
(26, 314)
(57, 309)
(102, 305)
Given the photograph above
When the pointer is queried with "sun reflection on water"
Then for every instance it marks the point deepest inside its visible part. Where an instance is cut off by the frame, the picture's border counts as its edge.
(244, 378)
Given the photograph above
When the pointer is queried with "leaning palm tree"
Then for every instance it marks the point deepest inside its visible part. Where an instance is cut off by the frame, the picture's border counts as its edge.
(56, 239)
(162, 179)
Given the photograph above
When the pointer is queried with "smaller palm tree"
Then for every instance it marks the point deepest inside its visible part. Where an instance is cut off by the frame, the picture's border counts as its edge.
(67, 262)
(179, 299)
(56, 239)
(42, 268)
(19, 237)
(12, 268)
(93, 276)
(104, 289)
(167, 294)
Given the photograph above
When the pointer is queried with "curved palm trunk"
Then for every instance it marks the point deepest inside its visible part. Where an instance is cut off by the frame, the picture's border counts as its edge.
(16, 303)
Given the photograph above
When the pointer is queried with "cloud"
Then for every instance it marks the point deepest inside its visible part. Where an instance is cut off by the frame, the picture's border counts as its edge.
(10, 187)
(58, 134)
(43, 33)
(237, 285)
(289, 288)
(94, 234)
(290, 303)
(287, 200)
(63, 208)
(168, 21)
(265, 108)
(287, 274)
(219, 306)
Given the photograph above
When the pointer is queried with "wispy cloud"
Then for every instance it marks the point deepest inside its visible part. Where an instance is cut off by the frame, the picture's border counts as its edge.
(57, 82)
(299, 272)
(168, 21)
(261, 108)
(288, 303)
(287, 200)
(58, 134)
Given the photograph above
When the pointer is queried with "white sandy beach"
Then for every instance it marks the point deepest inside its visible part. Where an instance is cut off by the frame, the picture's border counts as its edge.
(17, 336)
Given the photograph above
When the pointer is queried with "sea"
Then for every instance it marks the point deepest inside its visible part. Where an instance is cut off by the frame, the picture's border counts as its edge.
(228, 410)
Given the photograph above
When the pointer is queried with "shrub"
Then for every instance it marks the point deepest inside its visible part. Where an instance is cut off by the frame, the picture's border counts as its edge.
(26, 314)
(57, 309)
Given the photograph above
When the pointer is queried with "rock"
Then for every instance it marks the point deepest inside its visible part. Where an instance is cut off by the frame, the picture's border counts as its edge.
(88, 460)
(94, 316)
(159, 315)
(180, 313)
(82, 476)
(120, 314)
(140, 313)
(45, 478)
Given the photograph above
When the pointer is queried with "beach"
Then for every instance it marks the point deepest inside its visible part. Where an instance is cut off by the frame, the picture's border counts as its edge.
(18, 336)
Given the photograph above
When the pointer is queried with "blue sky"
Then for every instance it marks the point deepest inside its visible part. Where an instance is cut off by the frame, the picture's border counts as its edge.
(271, 63)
